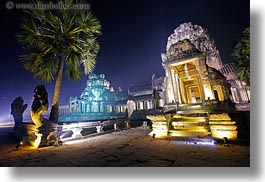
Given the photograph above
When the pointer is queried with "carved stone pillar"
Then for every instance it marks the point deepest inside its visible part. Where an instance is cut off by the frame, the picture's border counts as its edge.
(169, 90)
(179, 89)
(174, 85)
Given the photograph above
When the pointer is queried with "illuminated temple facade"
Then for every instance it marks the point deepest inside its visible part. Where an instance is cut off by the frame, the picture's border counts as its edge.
(194, 75)
(99, 101)
(194, 71)
(199, 91)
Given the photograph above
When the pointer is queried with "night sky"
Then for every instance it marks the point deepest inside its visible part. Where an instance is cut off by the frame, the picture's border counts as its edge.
(134, 34)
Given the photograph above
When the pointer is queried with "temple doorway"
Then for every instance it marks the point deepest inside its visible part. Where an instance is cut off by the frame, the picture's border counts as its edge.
(216, 95)
(194, 94)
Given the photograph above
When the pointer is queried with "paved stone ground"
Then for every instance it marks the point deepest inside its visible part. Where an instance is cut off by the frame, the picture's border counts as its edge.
(132, 147)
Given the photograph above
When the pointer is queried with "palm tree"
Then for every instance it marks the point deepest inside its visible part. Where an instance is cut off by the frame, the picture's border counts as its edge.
(59, 40)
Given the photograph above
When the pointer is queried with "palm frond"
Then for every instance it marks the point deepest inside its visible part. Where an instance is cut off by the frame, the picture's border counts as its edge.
(47, 36)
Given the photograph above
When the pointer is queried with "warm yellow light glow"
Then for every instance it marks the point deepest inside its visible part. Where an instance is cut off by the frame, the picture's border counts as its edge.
(222, 122)
(37, 141)
(156, 117)
(219, 90)
(160, 124)
(191, 128)
(223, 127)
(170, 94)
(220, 134)
(159, 133)
(187, 123)
(194, 118)
(208, 93)
(220, 117)
(184, 133)
(36, 118)
(191, 60)
(177, 116)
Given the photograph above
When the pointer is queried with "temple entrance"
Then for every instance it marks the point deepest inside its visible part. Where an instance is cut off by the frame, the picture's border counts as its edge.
(216, 95)
(186, 82)
(194, 94)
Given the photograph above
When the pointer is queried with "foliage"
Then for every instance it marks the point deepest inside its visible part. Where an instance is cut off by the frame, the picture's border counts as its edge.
(241, 55)
(49, 35)
(57, 40)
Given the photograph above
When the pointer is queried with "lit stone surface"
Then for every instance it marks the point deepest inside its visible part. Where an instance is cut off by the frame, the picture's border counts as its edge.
(131, 147)
(216, 126)
(157, 117)
(222, 122)
(218, 117)
(159, 125)
(221, 126)
(220, 134)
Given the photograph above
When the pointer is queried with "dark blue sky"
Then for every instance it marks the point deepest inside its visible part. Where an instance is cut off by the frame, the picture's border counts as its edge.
(134, 34)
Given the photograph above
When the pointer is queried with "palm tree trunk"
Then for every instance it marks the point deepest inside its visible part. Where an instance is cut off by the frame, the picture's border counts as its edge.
(54, 115)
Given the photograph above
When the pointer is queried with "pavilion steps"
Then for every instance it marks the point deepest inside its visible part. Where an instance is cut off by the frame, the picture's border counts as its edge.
(194, 123)
(190, 123)
(184, 133)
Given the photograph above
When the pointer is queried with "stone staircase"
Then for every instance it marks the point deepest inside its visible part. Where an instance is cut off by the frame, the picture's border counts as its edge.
(193, 121)
(222, 127)
(190, 121)
(159, 125)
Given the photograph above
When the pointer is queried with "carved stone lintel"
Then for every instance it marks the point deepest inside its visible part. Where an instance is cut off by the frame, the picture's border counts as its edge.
(200, 38)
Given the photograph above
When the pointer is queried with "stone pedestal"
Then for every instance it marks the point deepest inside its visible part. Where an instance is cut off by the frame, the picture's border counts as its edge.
(77, 132)
(48, 134)
(99, 129)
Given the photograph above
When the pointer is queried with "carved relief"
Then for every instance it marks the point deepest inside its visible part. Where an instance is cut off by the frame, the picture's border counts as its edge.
(200, 38)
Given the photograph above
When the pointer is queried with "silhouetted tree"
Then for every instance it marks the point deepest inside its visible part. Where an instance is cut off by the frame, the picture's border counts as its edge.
(241, 55)
(58, 40)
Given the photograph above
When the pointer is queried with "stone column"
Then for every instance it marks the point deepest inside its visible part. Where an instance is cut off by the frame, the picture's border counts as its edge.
(102, 108)
(98, 104)
(179, 89)
(239, 95)
(234, 95)
(182, 92)
(169, 89)
(174, 84)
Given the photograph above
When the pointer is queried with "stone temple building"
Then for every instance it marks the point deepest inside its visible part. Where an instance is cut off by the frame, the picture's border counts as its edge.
(194, 70)
(194, 75)
(99, 101)
(239, 92)
(199, 91)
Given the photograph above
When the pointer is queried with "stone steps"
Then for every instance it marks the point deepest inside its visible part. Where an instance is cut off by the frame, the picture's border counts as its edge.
(194, 123)
(190, 122)
(221, 126)
(190, 133)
